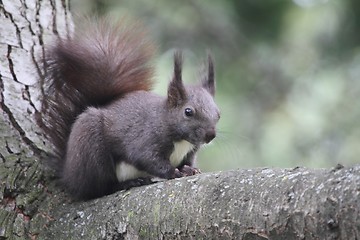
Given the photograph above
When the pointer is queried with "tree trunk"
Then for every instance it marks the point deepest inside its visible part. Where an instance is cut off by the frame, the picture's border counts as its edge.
(244, 204)
(24, 196)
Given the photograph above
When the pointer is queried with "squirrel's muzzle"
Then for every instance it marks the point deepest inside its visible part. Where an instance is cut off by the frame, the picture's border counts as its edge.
(210, 135)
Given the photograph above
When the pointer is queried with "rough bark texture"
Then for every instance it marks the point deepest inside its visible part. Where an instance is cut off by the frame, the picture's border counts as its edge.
(24, 27)
(244, 204)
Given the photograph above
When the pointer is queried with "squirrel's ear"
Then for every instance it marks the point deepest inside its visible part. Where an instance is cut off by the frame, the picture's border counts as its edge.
(208, 81)
(176, 90)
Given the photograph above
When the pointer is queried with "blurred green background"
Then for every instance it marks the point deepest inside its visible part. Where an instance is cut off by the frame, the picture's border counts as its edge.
(288, 74)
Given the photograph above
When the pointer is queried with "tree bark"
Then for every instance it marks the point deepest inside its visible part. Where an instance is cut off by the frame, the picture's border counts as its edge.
(249, 204)
(26, 25)
(244, 204)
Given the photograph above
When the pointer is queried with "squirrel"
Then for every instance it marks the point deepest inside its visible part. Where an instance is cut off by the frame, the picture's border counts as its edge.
(108, 130)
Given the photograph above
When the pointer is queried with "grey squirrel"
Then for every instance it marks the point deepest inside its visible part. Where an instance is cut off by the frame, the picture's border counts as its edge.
(108, 130)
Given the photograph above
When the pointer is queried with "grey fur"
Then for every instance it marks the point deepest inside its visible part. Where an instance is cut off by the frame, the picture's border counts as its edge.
(139, 129)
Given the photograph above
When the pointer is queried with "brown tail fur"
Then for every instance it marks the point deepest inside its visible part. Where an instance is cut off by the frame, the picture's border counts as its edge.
(100, 63)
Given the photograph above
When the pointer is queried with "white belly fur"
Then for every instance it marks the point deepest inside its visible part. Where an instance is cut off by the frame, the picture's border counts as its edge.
(125, 171)
(180, 150)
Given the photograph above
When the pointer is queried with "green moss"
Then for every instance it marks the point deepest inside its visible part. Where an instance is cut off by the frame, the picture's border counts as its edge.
(156, 212)
(130, 215)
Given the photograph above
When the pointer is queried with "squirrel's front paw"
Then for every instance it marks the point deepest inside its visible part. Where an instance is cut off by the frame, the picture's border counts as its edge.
(187, 170)
(178, 174)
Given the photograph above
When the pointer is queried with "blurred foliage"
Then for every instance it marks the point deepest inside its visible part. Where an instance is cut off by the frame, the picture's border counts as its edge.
(288, 74)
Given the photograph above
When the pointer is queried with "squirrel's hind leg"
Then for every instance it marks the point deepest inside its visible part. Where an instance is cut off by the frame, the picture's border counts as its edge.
(89, 169)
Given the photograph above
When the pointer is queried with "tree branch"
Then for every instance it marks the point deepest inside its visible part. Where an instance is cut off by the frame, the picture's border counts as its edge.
(295, 203)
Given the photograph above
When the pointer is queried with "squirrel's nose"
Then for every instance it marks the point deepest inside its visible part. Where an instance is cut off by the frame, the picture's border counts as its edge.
(210, 135)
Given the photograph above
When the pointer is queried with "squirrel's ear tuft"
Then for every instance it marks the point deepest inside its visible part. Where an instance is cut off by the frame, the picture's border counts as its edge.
(176, 91)
(208, 81)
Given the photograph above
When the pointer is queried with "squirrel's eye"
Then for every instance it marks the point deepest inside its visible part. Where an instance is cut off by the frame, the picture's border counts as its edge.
(189, 112)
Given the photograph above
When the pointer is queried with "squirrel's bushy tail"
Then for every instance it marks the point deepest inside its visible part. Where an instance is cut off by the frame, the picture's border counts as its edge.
(101, 62)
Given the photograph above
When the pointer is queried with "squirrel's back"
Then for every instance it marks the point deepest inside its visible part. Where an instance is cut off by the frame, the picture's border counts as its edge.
(101, 62)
